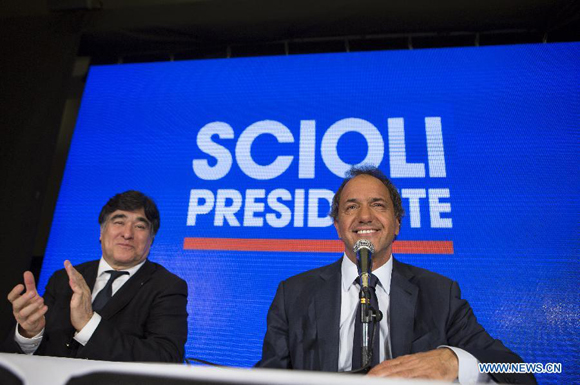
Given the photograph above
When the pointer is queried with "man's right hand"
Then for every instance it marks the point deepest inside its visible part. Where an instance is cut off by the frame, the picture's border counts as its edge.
(28, 307)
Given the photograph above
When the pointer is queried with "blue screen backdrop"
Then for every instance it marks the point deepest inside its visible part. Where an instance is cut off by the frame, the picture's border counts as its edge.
(482, 142)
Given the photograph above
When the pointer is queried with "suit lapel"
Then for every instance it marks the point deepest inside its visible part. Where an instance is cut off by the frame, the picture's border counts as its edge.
(90, 274)
(327, 305)
(128, 291)
(402, 310)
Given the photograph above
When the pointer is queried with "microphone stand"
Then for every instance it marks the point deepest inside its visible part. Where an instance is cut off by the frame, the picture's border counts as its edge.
(368, 314)
(364, 249)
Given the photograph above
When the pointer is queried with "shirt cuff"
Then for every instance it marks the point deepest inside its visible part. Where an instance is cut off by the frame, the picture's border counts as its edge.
(28, 345)
(85, 334)
(468, 372)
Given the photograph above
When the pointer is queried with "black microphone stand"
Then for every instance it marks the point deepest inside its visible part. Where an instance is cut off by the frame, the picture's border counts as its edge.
(368, 314)
(363, 249)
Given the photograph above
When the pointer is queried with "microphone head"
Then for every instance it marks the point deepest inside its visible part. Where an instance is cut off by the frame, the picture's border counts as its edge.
(363, 244)
(364, 249)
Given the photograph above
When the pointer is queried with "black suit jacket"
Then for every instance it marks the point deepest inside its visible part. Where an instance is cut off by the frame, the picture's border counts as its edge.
(426, 311)
(146, 320)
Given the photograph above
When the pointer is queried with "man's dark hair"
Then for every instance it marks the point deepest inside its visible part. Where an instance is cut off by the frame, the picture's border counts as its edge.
(131, 201)
(374, 172)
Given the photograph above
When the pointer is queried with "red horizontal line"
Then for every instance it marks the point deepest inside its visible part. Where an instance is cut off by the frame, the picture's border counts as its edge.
(309, 245)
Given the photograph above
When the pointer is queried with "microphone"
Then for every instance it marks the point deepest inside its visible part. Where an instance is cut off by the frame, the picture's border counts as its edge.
(364, 250)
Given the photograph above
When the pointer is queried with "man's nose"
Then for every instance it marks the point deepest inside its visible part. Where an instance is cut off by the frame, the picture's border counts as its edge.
(365, 214)
(127, 232)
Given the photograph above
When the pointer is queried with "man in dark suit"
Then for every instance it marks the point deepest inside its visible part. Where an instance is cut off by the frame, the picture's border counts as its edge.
(427, 331)
(119, 308)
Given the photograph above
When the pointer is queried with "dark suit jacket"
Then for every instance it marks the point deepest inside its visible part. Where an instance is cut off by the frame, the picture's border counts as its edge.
(426, 311)
(146, 320)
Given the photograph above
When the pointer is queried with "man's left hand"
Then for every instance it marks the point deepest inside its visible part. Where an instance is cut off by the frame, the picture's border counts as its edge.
(438, 364)
(81, 308)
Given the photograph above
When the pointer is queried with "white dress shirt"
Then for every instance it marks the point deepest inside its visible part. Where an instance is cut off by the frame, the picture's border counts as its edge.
(29, 345)
(468, 370)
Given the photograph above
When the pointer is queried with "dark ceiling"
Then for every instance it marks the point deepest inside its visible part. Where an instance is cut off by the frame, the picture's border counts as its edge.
(125, 28)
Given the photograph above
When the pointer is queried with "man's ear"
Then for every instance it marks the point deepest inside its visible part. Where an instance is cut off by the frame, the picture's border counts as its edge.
(102, 228)
(337, 230)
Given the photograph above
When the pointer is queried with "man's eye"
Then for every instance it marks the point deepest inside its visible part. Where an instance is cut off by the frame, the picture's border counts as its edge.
(117, 222)
(141, 227)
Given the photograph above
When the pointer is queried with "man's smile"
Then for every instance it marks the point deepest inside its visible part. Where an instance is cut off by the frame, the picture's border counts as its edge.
(365, 231)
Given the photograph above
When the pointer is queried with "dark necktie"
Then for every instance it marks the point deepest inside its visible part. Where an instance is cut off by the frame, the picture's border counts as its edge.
(357, 342)
(105, 295)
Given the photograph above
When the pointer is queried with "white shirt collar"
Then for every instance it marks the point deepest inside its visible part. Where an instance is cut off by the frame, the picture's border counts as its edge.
(104, 266)
(350, 272)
